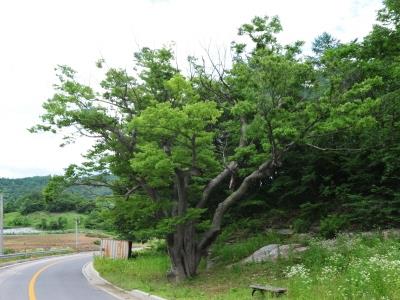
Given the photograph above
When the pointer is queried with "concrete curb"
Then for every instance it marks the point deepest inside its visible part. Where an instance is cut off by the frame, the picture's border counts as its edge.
(96, 280)
(140, 295)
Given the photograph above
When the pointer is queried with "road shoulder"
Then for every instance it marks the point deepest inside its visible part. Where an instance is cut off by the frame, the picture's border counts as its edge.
(18, 262)
(99, 282)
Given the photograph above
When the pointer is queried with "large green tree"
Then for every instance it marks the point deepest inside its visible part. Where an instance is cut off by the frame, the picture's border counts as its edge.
(184, 150)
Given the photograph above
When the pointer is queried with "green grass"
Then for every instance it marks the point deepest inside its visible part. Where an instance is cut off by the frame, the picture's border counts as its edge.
(228, 252)
(9, 218)
(34, 219)
(361, 267)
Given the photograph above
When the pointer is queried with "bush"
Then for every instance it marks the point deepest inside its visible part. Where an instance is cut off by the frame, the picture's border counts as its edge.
(301, 225)
(43, 224)
(98, 219)
(85, 206)
(54, 224)
(62, 223)
(21, 221)
(331, 225)
(31, 203)
(232, 252)
(97, 235)
(158, 246)
(62, 204)
(9, 251)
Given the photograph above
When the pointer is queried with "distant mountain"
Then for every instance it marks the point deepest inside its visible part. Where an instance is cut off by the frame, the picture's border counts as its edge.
(14, 189)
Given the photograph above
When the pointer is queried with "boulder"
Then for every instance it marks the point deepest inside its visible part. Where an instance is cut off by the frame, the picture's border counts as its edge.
(273, 252)
(284, 231)
(391, 233)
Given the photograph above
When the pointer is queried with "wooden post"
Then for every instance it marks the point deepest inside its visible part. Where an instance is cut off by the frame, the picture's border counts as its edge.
(76, 235)
(130, 249)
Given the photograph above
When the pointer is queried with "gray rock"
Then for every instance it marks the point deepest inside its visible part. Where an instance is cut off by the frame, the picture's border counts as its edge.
(391, 233)
(211, 262)
(273, 252)
(284, 231)
(302, 237)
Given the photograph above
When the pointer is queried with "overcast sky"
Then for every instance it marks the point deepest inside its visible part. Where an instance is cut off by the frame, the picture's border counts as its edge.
(37, 35)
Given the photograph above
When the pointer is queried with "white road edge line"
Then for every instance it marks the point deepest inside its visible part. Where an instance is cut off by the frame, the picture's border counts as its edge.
(105, 282)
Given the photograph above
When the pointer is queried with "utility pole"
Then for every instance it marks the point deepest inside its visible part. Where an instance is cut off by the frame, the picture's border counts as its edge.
(76, 234)
(1, 225)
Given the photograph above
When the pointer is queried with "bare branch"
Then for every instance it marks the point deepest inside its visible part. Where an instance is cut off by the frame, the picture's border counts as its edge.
(94, 184)
(266, 169)
(209, 237)
(215, 182)
(131, 190)
(221, 73)
(333, 149)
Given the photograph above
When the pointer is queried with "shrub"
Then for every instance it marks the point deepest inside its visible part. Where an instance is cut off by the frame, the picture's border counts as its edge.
(32, 202)
(331, 225)
(43, 224)
(301, 225)
(62, 223)
(8, 251)
(54, 224)
(21, 221)
(158, 245)
(97, 235)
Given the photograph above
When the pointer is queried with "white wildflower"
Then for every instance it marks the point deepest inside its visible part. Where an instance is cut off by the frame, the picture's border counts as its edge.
(298, 271)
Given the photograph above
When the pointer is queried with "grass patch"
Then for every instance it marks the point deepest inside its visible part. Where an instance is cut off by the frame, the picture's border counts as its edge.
(225, 252)
(147, 272)
(9, 218)
(16, 219)
(97, 234)
(357, 267)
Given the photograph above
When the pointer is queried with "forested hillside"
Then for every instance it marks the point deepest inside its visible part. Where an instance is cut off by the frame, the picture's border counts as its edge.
(26, 195)
(16, 188)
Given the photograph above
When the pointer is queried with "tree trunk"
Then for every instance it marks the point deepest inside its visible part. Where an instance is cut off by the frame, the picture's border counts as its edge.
(182, 244)
(264, 170)
(183, 252)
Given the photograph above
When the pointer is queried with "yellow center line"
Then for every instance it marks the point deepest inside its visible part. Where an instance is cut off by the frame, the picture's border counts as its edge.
(32, 294)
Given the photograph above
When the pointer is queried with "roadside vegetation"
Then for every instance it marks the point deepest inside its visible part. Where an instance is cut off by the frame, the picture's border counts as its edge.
(269, 135)
(29, 204)
(43, 220)
(17, 190)
(209, 162)
(353, 267)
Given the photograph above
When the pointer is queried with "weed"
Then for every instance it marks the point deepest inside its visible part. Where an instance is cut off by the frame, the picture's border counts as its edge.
(350, 267)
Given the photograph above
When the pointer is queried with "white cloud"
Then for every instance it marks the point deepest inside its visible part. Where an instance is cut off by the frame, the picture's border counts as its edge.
(35, 36)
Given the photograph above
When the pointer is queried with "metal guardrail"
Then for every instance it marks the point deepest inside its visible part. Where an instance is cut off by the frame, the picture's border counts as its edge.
(26, 254)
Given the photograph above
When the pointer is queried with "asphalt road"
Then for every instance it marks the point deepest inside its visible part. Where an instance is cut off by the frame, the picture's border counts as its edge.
(57, 278)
